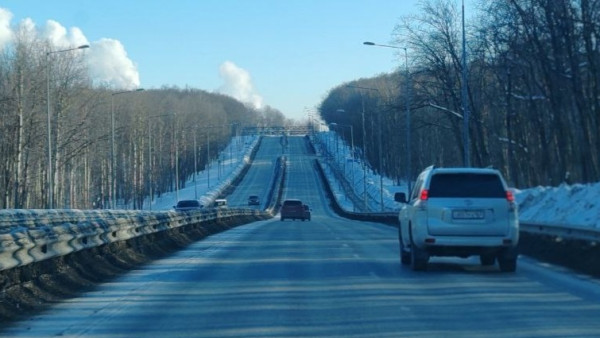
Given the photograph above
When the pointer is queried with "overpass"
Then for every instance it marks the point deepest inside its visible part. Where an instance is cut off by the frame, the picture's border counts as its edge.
(298, 130)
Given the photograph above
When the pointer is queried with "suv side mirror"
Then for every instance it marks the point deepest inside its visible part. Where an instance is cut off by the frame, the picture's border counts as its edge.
(400, 197)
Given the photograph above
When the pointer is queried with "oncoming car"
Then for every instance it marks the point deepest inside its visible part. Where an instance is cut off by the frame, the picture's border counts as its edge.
(293, 209)
(220, 203)
(459, 212)
(253, 200)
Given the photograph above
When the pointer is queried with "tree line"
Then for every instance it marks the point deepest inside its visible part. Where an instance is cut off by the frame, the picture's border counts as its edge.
(533, 92)
(154, 131)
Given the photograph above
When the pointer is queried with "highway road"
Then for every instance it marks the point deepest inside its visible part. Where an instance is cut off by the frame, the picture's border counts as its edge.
(327, 277)
(257, 180)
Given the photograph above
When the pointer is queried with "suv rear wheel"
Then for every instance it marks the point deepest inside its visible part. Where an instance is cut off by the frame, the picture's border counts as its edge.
(418, 257)
(507, 260)
(487, 259)
(404, 255)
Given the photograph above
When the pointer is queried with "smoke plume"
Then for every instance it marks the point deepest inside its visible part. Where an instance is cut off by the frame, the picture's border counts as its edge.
(107, 59)
(5, 31)
(238, 85)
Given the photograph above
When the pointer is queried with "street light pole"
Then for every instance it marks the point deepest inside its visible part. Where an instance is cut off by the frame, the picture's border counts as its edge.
(113, 182)
(364, 131)
(208, 157)
(50, 171)
(408, 132)
(176, 157)
(150, 159)
(195, 163)
(466, 141)
(351, 146)
(365, 146)
(408, 98)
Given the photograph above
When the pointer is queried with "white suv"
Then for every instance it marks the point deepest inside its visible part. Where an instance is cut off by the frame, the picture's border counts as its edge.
(459, 212)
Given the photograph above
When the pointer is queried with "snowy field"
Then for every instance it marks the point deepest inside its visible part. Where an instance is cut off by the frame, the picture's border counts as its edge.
(206, 185)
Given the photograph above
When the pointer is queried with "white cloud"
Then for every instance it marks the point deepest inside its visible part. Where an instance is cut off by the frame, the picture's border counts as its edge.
(5, 31)
(110, 65)
(238, 84)
(27, 27)
(107, 58)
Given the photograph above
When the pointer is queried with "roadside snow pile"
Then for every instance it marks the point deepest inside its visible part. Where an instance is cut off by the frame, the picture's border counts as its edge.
(577, 204)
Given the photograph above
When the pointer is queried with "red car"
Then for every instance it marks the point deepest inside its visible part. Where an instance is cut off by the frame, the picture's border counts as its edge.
(293, 209)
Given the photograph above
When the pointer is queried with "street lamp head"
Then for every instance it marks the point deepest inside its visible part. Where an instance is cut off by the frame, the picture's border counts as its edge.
(369, 43)
(83, 46)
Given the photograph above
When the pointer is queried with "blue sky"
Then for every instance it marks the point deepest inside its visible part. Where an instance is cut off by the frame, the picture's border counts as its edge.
(293, 50)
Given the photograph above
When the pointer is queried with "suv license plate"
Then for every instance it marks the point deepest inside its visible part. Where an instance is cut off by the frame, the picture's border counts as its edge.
(468, 214)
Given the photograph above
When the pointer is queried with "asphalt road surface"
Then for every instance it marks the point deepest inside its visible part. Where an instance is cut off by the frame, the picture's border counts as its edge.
(327, 277)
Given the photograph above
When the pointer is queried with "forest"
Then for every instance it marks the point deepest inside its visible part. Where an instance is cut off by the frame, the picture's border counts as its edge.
(531, 89)
(66, 143)
(529, 84)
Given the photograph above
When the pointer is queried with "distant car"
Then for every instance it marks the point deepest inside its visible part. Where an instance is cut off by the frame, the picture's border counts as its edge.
(253, 200)
(220, 203)
(306, 212)
(292, 209)
(186, 205)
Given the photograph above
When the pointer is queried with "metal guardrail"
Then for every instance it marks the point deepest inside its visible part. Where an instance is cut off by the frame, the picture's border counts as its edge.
(28, 236)
(34, 235)
(562, 231)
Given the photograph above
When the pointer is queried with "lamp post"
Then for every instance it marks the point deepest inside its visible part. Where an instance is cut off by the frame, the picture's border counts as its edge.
(113, 182)
(364, 137)
(50, 171)
(150, 157)
(408, 99)
(195, 163)
(176, 157)
(378, 145)
(208, 157)
(464, 98)
(351, 146)
(337, 147)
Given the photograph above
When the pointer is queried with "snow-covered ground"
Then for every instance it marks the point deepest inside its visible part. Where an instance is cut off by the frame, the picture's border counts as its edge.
(207, 184)
(576, 205)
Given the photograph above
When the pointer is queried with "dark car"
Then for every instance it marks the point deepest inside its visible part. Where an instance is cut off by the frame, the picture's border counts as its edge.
(306, 212)
(253, 200)
(186, 205)
(292, 209)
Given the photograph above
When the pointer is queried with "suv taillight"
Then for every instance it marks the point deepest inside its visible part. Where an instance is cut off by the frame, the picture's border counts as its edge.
(509, 196)
(424, 195)
(511, 200)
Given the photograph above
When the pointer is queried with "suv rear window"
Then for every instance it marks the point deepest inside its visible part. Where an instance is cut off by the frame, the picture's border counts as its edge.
(292, 203)
(466, 185)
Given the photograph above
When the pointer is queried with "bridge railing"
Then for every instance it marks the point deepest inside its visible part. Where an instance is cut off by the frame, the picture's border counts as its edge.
(28, 236)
